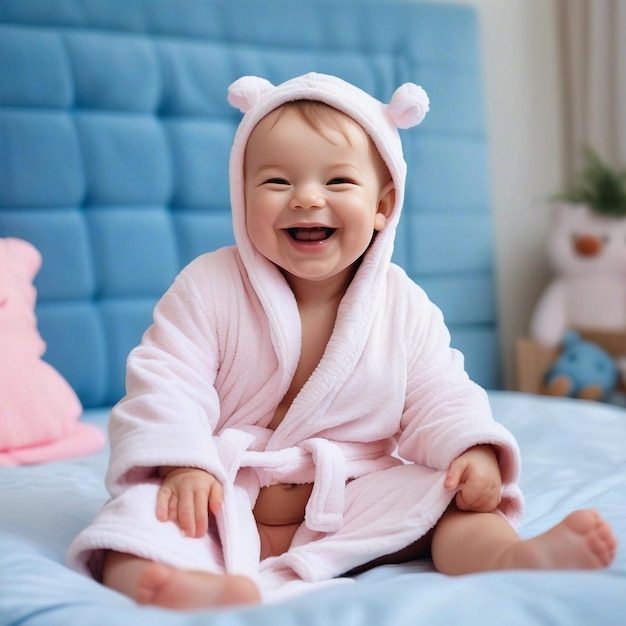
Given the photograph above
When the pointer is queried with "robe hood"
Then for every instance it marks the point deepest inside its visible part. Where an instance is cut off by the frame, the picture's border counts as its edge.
(256, 97)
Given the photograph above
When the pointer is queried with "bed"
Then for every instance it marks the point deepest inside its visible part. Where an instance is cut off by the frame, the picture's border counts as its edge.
(114, 138)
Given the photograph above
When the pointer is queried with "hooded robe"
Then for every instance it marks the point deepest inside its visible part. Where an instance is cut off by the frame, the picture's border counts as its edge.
(374, 428)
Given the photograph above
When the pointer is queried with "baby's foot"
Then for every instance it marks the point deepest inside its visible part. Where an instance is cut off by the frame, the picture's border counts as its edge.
(583, 540)
(172, 588)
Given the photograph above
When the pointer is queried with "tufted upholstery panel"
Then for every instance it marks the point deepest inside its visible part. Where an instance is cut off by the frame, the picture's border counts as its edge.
(114, 142)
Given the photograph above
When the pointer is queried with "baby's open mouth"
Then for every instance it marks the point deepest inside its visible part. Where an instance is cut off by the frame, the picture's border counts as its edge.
(315, 233)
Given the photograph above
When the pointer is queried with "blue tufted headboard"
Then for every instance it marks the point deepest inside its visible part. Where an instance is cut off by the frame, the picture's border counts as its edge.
(114, 142)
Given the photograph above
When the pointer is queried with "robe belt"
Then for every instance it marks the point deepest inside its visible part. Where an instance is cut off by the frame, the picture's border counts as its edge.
(315, 460)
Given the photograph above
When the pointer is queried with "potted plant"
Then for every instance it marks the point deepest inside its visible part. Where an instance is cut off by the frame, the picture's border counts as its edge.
(598, 186)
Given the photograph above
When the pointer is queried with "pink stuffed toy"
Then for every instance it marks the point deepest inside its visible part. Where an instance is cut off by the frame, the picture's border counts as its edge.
(588, 292)
(39, 411)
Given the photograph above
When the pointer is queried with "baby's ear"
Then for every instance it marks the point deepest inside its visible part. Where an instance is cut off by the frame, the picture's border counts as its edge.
(386, 202)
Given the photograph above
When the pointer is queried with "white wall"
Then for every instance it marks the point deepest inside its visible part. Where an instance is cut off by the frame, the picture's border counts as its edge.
(525, 141)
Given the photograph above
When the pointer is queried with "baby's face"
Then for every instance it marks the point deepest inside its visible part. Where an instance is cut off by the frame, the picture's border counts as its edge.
(313, 197)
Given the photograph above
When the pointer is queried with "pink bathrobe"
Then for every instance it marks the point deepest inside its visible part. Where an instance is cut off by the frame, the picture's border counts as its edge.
(375, 428)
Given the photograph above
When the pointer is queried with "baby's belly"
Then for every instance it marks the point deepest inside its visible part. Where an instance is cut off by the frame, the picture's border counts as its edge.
(279, 505)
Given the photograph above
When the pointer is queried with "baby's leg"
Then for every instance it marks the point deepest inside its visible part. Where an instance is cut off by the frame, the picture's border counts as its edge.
(466, 542)
(148, 582)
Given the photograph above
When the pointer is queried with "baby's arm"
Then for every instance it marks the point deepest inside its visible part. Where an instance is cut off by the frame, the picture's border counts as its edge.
(476, 475)
(186, 496)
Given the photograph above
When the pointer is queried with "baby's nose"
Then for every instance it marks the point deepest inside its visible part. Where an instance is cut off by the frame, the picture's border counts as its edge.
(307, 197)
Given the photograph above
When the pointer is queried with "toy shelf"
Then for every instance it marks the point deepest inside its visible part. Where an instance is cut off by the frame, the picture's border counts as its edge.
(533, 359)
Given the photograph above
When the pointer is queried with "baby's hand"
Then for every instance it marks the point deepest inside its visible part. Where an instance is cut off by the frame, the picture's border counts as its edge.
(477, 473)
(186, 496)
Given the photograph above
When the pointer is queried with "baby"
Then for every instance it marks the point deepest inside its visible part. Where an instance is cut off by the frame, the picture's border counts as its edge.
(295, 412)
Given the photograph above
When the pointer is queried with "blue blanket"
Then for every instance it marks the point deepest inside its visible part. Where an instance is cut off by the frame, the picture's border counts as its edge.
(574, 457)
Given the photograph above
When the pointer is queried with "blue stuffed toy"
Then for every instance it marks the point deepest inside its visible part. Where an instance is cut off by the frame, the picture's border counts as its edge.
(583, 370)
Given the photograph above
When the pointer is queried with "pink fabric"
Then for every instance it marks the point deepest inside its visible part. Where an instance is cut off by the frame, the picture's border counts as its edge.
(39, 411)
(194, 398)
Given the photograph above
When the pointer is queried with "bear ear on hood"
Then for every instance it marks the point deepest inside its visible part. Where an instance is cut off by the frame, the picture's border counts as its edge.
(408, 106)
(247, 91)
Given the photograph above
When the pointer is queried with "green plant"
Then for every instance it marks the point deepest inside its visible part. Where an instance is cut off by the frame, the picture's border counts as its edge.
(600, 187)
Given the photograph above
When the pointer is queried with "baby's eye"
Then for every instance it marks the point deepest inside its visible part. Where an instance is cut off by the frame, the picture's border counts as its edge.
(276, 181)
(340, 181)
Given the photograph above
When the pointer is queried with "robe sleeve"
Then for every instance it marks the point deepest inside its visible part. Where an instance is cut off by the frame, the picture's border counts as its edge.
(445, 412)
(171, 406)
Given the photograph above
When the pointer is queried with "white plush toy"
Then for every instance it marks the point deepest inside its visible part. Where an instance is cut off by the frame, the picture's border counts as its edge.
(587, 251)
